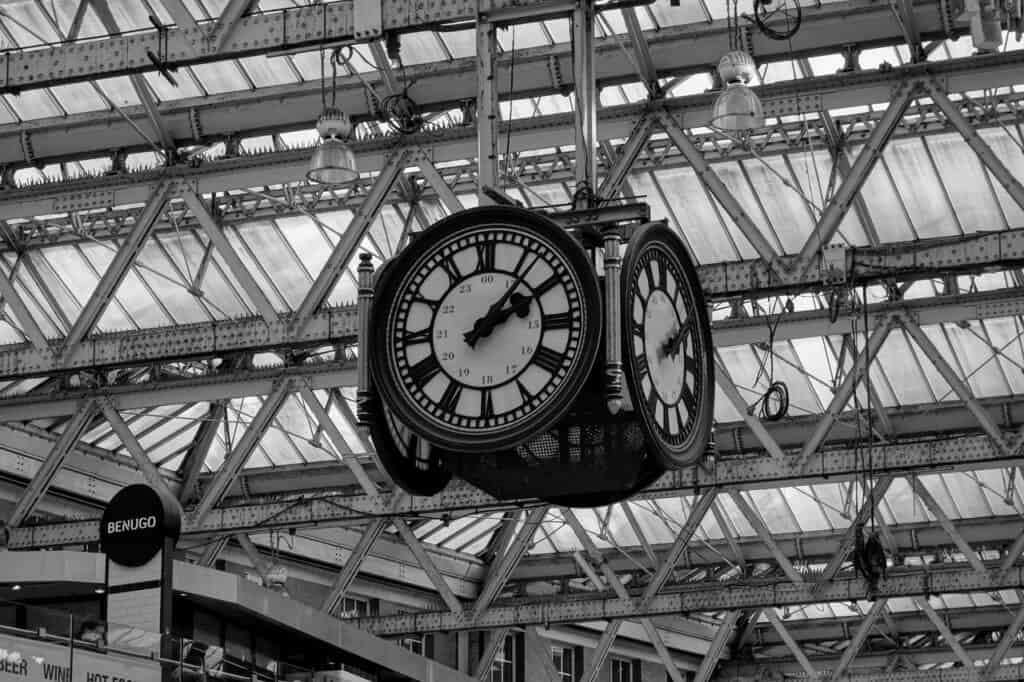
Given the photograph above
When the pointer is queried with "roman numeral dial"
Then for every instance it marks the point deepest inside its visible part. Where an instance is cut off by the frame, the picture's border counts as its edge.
(485, 328)
(666, 345)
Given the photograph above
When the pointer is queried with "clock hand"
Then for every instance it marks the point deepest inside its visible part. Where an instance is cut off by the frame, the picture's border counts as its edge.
(489, 319)
(671, 347)
(520, 305)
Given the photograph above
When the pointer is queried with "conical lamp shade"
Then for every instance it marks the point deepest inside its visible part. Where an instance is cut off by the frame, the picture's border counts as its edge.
(738, 108)
(333, 163)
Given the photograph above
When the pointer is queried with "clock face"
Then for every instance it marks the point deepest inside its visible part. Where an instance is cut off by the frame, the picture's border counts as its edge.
(413, 464)
(487, 329)
(667, 345)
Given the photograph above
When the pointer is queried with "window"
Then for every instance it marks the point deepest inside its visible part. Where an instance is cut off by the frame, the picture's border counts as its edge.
(563, 659)
(413, 643)
(625, 671)
(504, 667)
(352, 607)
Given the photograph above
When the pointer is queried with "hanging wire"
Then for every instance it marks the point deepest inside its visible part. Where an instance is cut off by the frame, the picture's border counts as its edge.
(867, 389)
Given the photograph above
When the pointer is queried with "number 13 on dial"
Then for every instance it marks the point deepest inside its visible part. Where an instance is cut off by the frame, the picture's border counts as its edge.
(488, 330)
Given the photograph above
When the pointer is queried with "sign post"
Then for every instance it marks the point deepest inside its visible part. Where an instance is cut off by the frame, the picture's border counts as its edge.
(139, 529)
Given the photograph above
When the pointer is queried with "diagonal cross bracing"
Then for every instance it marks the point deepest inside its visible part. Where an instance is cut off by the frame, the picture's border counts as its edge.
(350, 240)
(503, 566)
(118, 268)
(838, 206)
(907, 260)
(842, 396)
(40, 483)
(227, 252)
(713, 596)
(237, 458)
(969, 453)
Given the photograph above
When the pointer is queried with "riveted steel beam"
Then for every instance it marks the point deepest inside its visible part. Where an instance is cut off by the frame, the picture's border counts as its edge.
(236, 459)
(718, 596)
(350, 240)
(40, 483)
(791, 644)
(674, 50)
(970, 453)
(839, 204)
(118, 268)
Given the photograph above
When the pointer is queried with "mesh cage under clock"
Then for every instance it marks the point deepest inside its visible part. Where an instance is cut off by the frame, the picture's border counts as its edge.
(588, 459)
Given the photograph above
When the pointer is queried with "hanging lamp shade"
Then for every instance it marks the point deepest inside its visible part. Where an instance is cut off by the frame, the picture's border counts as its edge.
(333, 162)
(738, 108)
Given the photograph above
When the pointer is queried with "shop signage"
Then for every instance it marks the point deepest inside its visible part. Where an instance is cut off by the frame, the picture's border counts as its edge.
(136, 523)
(27, 660)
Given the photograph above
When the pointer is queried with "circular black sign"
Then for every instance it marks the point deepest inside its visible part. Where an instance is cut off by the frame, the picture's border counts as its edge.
(135, 524)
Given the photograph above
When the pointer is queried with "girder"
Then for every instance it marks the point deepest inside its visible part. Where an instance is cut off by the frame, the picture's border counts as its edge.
(334, 325)
(459, 144)
(674, 51)
(737, 464)
(752, 471)
(707, 596)
(957, 620)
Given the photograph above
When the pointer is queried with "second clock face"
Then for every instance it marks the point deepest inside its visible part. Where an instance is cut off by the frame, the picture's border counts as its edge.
(489, 327)
(667, 345)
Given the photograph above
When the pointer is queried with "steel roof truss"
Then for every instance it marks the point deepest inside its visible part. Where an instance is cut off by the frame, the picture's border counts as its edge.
(503, 564)
(718, 645)
(943, 629)
(840, 203)
(116, 271)
(40, 483)
(237, 458)
(332, 602)
(950, 375)
(349, 242)
(215, 232)
(1008, 638)
(612, 628)
(791, 644)
(947, 524)
(878, 608)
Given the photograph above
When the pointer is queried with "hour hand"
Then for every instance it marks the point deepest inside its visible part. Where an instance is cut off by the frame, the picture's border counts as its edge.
(671, 347)
(518, 304)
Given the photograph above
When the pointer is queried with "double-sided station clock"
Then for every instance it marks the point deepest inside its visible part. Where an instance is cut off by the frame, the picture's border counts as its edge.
(480, 345)
(486, 330)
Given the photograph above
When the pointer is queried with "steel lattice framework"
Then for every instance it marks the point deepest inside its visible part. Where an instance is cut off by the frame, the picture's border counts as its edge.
(735, 593)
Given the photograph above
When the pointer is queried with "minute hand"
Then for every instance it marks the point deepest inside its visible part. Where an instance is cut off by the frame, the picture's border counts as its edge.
(485, 325)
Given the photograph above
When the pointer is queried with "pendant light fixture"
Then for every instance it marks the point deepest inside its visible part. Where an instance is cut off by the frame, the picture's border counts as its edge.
(333, 162)
(738, 108)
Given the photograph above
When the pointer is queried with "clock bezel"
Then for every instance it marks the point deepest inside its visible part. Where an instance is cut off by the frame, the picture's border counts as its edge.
(660, 236)
(457, 226)
(395, 458)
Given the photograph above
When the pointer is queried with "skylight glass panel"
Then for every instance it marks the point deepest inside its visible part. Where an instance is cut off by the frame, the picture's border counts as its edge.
(33, 104)
(119, 91)
(526, 36)
(77, 98)
(28, 24)
(421, 47)
(165, 92)
(266, 72)
(1006, 145)
(684, 13)
(221, 77)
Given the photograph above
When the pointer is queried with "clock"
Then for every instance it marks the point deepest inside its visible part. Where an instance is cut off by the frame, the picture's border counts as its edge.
(487, 330)
(667, 345)
(414, 465)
